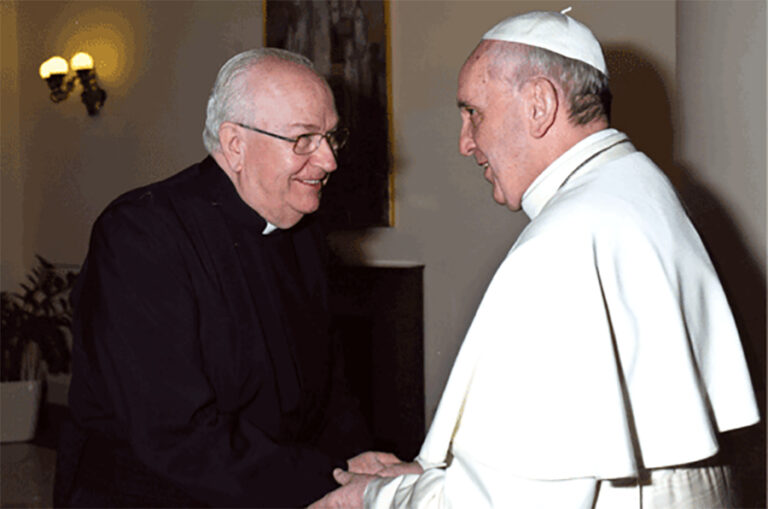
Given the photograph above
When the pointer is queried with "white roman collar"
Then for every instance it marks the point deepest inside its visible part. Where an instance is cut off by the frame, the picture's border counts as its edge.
(269, 228)
(554, 176)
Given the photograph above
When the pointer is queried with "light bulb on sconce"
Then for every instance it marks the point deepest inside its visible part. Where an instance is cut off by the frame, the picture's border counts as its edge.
(81, 62)
(55, 69)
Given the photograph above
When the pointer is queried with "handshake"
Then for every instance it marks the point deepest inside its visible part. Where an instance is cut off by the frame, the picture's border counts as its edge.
(361, 470)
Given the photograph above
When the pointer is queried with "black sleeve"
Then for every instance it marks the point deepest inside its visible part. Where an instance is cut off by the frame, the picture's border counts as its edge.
(345, 433)
(136, 321)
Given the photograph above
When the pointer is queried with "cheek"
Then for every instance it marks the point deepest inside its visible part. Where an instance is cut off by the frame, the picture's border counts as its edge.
(279, 172)
(490, 138)
(509, 152)
(266, 182)
(478, 135)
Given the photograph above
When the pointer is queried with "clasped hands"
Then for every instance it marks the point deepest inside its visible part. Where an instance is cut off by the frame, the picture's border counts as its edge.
(361, 470)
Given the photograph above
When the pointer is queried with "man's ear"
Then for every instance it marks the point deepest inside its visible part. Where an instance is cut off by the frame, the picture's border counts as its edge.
(232, 145)
(543, 106)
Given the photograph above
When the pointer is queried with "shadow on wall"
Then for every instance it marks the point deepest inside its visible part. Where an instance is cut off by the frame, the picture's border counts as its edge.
(745, 287)
(641, 108)
(641, 105)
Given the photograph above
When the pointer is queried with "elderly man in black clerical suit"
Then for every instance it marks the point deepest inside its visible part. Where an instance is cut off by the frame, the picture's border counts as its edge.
(203, 369)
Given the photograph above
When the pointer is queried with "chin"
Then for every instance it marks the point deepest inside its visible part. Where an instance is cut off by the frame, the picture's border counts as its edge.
(306, 204)
(309, 210)
(299, 212)
(514, 207)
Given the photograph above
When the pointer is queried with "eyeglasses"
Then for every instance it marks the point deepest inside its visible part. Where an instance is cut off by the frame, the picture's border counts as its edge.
(307, 143)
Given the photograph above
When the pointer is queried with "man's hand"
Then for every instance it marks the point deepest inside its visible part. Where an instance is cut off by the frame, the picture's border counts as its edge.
(371, 462)
(383, 464)
(400, 469)
(349, 495)
(363, 468)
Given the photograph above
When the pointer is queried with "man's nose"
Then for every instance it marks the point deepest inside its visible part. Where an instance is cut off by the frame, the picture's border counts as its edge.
(324, 156)
(466, 140)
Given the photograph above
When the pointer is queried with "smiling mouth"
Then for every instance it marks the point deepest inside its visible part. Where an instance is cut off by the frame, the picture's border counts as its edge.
(315, 182)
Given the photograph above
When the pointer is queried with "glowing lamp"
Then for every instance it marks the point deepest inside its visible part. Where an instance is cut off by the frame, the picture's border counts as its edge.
(81, 62)
(55, 69)
(54, 65)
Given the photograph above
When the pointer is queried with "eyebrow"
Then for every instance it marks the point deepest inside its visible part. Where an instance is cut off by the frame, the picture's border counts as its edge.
(463, 105)
(311, 128)
(303, 126)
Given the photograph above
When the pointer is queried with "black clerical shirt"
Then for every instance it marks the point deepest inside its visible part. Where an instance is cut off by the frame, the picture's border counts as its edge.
(203, 369)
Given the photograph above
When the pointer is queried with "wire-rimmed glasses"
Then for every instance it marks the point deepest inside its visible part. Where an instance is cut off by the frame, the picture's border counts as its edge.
(307, 143)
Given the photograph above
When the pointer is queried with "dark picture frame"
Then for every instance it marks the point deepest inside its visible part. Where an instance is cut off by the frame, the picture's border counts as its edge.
(348, 41)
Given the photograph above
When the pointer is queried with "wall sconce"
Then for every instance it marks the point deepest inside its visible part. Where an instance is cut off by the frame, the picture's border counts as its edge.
(55, 69)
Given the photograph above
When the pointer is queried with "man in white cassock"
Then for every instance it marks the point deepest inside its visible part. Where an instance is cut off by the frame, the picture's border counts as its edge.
(603, 360)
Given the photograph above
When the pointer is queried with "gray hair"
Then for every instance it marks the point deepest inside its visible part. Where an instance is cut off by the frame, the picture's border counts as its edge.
(229, 99)
(586, 89)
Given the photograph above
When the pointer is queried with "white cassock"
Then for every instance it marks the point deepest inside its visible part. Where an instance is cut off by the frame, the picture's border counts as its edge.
(603, 348)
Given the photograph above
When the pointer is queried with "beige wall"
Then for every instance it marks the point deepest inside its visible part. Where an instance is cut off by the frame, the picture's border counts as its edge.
(722, 66)
(11, 185)
(60, 167)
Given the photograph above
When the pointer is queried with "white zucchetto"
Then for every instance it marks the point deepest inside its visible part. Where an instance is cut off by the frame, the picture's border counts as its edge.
(552, 31)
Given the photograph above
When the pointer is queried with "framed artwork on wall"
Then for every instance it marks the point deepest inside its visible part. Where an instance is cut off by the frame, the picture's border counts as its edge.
(348, 42)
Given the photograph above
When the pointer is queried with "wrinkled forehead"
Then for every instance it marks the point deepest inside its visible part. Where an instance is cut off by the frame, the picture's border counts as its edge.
(478, 66)
(285, 89)
(273, 75)
(478, 56)
(474, 73)
(493, 65)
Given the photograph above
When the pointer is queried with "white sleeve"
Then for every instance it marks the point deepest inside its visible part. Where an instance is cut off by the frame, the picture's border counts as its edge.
(407, 491)
(468, 484)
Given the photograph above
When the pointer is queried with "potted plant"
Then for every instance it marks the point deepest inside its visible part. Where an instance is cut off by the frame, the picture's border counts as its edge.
(35, 330)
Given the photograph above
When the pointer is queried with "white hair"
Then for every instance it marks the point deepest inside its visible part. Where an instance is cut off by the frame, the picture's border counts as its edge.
(587, 89)
(228, 99)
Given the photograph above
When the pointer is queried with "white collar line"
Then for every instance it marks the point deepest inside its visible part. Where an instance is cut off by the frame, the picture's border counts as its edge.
(552, 178)
(269, 228)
